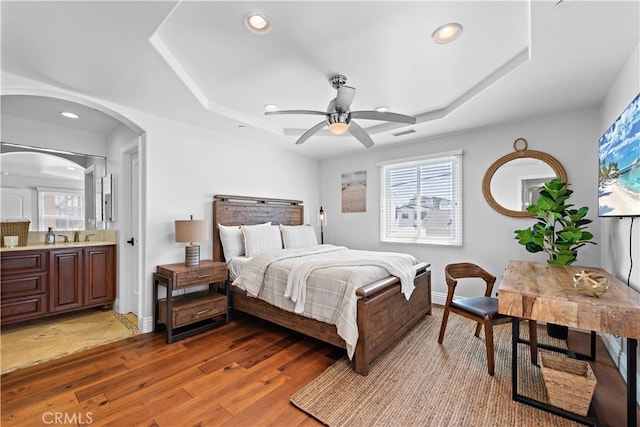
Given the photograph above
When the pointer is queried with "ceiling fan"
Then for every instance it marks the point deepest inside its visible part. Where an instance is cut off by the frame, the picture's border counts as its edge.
(338, 117)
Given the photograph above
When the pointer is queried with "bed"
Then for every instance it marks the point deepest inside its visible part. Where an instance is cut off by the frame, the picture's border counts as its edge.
(383, 314)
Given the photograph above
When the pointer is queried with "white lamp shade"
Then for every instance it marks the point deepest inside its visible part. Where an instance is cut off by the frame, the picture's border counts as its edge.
(192, 230)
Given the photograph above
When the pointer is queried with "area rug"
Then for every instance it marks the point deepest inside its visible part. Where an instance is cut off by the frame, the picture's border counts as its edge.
(36, 341)
(421, 383)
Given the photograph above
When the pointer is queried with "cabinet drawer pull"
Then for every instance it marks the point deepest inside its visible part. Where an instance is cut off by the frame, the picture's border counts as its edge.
(201, 312)
(204, 276)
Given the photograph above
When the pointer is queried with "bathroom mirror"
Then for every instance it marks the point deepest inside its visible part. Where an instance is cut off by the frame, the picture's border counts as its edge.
(51, 188)
(513, 181)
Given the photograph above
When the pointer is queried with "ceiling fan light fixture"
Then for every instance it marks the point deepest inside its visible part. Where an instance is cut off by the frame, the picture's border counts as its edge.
(338, 128)
(257, 22)
(447, 33)
(338, 123)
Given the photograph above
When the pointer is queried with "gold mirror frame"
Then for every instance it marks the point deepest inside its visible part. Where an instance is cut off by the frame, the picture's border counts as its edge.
(521, 151)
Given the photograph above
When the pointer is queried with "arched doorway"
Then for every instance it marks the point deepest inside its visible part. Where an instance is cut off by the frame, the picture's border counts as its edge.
(30, 114)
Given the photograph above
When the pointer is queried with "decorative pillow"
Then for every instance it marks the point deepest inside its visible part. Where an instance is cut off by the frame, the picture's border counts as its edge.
(261, 239)
(298, 236)
(233, 240)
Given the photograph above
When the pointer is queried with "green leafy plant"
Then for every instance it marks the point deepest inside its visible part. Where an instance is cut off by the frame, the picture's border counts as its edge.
(560, 230)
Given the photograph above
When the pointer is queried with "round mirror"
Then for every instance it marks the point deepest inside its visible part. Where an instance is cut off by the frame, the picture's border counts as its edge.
(513, 181)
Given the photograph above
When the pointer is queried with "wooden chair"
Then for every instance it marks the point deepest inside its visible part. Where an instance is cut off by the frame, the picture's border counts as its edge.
(481, 309)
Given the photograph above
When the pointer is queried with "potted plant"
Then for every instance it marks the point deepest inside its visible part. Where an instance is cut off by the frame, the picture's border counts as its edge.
(559, 231)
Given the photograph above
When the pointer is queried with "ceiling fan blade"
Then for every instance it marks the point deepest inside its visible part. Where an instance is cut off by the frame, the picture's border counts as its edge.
(308, 134)
(360, 134)
(318, 113)
(344, 98)
(385, 116)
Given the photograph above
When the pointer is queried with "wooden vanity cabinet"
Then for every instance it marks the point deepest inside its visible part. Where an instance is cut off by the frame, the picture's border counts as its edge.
(23, 285)
(38, 283)
(65, 280)
(99, 275)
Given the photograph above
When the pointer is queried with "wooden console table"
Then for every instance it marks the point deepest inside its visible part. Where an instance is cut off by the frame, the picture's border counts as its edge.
(543, 292)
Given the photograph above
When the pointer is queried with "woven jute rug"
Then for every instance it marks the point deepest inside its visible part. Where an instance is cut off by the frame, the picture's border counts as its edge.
(421, 383)
(32, 342)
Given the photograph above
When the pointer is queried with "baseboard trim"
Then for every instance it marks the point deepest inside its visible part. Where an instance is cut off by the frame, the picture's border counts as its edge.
(619, 357)
(438, 298)
(145, 324)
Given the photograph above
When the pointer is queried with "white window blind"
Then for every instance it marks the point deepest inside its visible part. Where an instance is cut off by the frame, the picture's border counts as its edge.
(421, 200)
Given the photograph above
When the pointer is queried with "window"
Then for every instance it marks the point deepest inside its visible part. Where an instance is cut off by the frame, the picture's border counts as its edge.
(421, 200)
(60, 209)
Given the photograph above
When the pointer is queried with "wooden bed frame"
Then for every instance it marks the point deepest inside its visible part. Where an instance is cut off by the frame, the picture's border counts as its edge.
(383, 314)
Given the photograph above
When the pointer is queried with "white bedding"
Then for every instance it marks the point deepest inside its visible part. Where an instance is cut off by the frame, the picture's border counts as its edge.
(235, 266)
(323, 282)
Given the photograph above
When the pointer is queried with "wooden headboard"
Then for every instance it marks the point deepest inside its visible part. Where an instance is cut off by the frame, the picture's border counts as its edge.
(242, 210)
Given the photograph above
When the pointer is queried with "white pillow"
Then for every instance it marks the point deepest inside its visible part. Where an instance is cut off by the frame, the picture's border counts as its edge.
(258, 240)
(298, 236)
(233, 240)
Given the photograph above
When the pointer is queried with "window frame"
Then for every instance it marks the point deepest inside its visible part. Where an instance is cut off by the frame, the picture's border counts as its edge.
(389, 233)
(43, 192)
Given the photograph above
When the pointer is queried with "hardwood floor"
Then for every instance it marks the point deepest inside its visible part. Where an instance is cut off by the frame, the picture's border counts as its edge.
(241, 374)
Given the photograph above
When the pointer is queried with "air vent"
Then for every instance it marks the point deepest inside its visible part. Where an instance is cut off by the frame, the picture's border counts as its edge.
(404, 132)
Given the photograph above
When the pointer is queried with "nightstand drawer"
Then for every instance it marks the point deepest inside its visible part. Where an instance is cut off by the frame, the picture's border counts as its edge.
(204, 276)
(193, 307)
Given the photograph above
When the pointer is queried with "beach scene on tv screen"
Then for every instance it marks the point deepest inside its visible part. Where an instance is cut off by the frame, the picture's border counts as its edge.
(619, 171)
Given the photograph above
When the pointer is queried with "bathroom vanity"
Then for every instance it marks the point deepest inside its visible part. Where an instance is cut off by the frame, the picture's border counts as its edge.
(42, 280)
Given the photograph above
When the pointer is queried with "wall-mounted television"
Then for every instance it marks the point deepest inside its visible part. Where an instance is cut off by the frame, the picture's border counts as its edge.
(619, 166)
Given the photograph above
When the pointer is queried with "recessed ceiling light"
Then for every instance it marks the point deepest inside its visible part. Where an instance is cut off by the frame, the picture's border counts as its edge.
(271, 107)
(381, 109)
(447, 33)
(257, 22)
(70, 115)
(70, 168)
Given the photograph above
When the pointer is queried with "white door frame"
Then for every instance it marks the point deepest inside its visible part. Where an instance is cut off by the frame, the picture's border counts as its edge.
(127, 284)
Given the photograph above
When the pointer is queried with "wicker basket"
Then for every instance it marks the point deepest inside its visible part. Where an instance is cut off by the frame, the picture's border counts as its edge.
(570, 383)
(15, 228)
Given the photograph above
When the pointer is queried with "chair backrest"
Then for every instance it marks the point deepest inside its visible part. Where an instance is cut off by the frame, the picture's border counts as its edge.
(463, 270)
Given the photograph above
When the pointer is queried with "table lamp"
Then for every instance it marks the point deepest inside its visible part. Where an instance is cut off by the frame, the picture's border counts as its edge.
(190, 231)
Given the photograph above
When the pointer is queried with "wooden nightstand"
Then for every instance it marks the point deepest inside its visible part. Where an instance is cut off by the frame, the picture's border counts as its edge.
(195, 312)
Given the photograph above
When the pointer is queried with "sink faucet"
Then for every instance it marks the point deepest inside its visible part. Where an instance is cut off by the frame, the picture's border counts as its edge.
(86, 237)
(65, 237)
(76, 236)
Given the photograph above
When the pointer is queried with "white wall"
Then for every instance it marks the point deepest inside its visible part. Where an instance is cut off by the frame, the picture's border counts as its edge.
(617, 235)
(488, 236)
(187, 166)
(18, 130)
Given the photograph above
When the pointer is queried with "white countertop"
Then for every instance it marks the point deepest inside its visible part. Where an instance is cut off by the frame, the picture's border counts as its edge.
(57, 245)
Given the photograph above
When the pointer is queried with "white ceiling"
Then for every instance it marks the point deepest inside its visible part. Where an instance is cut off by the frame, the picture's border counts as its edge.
(196, 62)
(47, 110)
(40, 165)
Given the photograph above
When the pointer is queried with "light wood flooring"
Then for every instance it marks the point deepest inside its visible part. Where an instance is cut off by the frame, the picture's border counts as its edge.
(241, 374)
